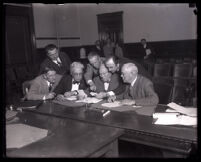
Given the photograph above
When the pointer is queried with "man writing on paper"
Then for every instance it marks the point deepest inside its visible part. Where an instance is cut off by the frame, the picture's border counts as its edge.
(140, 90)
(72, 85)
(107, 84)
(42, 86)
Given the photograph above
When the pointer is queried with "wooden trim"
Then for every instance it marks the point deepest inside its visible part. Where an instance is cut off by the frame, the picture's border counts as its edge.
(55, 38)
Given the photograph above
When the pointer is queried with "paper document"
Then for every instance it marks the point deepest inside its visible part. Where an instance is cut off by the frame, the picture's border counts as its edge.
(90, 100)
(183, 110)
(112, 104)
(174, 119)
(10, 114)
(19, 135)
(71, 98)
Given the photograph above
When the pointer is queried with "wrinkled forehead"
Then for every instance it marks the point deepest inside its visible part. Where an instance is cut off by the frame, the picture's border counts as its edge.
(52, 52)
(77, 70)
(103, 69)
(110, 62)
(51, 72)
(94, 59)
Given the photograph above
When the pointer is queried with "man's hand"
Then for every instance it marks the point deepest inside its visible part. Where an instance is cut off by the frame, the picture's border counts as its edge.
(81, 95)
(92, 86)
(127, 102)
(101, 95)
(68, 94)
(111, 98)
(60, 97)
(50, 95)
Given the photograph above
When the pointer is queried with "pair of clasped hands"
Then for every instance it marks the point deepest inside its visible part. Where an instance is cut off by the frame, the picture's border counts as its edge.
(110, 98)
(80, 95)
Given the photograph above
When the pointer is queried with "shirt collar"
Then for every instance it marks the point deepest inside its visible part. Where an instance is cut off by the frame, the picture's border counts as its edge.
(133, 82)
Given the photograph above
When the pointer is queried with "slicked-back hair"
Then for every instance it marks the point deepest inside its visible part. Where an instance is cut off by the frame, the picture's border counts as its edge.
(113, 58)
(50, 47)
(47, 69)
(93, 54)
(131, 67)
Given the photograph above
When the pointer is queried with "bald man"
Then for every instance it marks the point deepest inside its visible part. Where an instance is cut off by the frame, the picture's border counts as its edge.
(107, 84)
(140, 90)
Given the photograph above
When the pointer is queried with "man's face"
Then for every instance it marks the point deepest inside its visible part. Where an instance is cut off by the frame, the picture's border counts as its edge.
(77, 74)
(95, 62)
(53, 54)
(126, 75)
(112, 67)
(143, 42)
(51, 76)
(105, 75)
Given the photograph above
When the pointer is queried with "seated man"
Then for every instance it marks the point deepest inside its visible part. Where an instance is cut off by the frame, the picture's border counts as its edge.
(42, 86)
(92, 69)
(114, 65)
(107, 84)
(140, 90)
(71, 84)
(56, 59)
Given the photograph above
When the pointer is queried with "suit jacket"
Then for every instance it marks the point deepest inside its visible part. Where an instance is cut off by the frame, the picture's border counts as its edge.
(65, 85)
(39, 87)
(143, 51)
(142, 92)
(91, 72)
(64, 68)
(115, 85)
(141, 70)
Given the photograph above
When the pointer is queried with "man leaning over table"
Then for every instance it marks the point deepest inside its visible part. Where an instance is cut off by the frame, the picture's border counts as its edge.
(43, 85)
(72, 85)
(107, 84)
(140, 90)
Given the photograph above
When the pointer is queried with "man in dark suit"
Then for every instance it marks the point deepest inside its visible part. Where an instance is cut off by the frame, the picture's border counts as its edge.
(107, 84)
(98, 48)
(92, 69)
(56, 59)
(147, 50)
(140, 90)
(71, 85)
(43, 85)
(114, 65)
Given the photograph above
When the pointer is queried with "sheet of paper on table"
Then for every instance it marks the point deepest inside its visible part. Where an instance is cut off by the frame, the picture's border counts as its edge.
(19, 135)
(187, 111)
(71, 98)
(90, 100)
(174, 119)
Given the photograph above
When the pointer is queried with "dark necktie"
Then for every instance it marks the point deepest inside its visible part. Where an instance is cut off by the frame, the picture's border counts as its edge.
(50, 87)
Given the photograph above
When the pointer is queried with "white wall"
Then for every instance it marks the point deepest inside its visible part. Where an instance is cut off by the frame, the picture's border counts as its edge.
(155, 22)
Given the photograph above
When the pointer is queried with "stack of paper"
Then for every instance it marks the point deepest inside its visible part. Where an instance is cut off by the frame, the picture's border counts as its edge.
(178, 115)
(90, 100)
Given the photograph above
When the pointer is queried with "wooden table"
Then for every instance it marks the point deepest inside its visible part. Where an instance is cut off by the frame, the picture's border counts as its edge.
(69, 138)
(175, 141)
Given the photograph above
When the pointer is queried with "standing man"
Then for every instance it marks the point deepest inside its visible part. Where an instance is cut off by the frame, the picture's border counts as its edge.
(108, 48)
(140, 90)
(148, 52)
(98, 48)
(92, 69)
(56, 59)
(42, 86)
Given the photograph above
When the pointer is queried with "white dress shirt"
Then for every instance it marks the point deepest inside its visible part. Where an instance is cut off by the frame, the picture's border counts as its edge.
(75, 87)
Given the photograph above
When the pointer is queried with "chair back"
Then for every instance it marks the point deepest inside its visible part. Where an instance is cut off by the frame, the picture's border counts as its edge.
(162, 70)
(183, 70)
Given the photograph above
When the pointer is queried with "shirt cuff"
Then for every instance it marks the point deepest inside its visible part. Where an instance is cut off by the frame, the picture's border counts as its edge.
(89, 81)
(44, 98)
(110, 93)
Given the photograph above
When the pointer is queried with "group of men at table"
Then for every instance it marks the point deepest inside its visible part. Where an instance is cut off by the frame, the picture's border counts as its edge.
(104, 78)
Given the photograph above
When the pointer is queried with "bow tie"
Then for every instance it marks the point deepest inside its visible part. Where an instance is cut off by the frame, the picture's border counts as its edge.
(75, 82)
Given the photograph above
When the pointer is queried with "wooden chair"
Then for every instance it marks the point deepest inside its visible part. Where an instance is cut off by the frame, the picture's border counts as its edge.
(162, 70)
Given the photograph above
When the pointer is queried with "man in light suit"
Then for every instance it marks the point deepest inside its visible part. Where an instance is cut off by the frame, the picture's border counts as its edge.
(56, 59)
(70, 85)
(42, 86)
(140, 90)
(107, 84)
